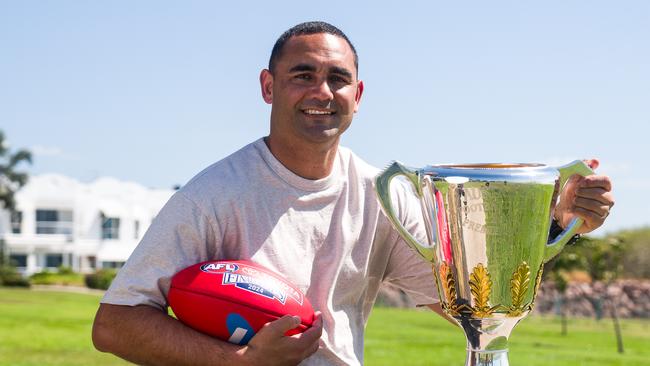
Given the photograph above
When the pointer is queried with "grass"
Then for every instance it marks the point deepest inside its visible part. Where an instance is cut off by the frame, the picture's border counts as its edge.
(48, 328)
(53, 328)
(407, 337)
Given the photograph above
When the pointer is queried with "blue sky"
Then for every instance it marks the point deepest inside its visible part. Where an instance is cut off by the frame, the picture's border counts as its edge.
(154, 91)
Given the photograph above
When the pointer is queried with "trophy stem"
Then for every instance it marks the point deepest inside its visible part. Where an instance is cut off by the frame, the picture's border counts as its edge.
(487, 358)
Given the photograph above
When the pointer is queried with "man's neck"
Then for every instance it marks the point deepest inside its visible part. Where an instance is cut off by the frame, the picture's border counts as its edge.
(305, 160)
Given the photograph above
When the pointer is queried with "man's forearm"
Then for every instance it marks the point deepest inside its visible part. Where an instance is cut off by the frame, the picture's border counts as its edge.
(145, 335)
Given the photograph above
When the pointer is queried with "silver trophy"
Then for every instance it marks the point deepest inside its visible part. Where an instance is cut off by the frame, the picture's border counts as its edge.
(488, 238)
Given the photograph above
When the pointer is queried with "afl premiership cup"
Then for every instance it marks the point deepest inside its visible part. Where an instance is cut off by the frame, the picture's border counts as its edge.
(488, 238)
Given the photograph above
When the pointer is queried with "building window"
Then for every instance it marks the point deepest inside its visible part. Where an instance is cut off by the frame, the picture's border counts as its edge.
(18, 260)
(54, 222)
(110, 228)
(136, 229)
(16, 221)
(53, 260)
(116, 265)
(92, 261)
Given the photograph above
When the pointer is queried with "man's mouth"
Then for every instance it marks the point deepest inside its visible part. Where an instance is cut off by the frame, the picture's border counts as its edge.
(318, 112)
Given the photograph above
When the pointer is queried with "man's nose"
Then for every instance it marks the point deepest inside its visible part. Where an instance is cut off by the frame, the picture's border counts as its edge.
(323, 91)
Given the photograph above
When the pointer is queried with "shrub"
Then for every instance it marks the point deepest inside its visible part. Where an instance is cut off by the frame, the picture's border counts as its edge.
(41, 278)
(64, 270)
(10, 277)
(101, 279)
(65, 276)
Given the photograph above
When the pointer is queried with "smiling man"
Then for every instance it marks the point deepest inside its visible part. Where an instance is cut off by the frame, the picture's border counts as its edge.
(295, 202)
(313, 88)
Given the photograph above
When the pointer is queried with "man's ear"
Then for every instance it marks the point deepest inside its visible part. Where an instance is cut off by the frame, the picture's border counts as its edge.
(357, 96)
(266, 83)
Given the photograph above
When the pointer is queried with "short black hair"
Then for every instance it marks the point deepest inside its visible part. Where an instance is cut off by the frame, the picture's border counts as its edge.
(308, 28)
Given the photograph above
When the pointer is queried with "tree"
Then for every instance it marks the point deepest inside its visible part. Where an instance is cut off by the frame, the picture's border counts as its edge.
(603, 260)
(558, 269)
(10, 181)
(602, 257)
(636, 256)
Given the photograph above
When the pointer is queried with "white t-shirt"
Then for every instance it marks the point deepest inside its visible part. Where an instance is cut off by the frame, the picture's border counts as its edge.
(327, 236)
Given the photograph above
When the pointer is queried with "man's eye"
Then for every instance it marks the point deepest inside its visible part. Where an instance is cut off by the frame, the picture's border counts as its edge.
(338, 79)
(303, 76)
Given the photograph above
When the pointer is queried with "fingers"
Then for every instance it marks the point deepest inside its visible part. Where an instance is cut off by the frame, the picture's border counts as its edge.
(270, 346)
(596, 194)
(588, 197)
(596, 181)
(279, 327)
(310, 338)
(591, 205)
(315, 331)
(308, 341)
(591, 219)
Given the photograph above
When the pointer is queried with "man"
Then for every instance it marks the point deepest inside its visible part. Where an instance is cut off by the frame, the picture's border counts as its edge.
(296, 203)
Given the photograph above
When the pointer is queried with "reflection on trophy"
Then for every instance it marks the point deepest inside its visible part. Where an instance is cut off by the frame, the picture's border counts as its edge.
(488, 238)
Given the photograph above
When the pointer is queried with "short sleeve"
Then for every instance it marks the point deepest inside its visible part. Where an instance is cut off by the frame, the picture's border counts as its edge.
(412, 274)
(181, 235)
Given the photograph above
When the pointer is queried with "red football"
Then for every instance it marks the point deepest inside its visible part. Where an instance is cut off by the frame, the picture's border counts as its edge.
(232, 300)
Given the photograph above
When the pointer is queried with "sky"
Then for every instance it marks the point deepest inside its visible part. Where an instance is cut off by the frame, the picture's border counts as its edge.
(154, 91)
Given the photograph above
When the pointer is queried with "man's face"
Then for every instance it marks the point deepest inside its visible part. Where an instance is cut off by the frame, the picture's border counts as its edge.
(313, 90)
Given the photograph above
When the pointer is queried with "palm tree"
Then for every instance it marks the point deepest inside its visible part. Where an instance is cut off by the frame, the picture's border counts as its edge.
(10, 181)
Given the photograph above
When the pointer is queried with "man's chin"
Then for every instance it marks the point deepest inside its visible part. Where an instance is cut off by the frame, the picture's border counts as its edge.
(320, 135)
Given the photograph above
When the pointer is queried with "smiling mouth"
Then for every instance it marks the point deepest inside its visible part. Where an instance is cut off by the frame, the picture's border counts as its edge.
(317, 112)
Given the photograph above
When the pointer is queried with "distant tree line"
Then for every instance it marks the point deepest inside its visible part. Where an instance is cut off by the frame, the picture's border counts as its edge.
(623, 254)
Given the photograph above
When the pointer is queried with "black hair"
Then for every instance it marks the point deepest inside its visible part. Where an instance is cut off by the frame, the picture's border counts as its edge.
(308, 28)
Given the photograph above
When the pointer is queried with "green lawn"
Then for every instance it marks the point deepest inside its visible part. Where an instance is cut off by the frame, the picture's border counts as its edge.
(53, 328)
(48, 328)
(408, 337)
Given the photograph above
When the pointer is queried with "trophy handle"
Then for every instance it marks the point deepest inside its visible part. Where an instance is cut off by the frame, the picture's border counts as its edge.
(382, 186)
(566, 171)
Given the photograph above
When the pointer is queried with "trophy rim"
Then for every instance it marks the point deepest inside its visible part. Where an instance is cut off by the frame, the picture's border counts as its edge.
(491, 166)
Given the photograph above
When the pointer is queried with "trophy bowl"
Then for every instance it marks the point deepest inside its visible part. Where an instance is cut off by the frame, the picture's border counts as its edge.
(488, 238)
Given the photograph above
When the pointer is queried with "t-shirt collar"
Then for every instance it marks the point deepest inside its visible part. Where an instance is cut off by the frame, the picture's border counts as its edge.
(290, 177)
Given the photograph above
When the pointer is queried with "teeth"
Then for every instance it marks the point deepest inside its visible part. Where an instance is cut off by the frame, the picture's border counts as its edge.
(314, 111)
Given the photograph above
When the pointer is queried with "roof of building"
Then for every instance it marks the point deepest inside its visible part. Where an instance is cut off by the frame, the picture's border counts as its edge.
(110, 195)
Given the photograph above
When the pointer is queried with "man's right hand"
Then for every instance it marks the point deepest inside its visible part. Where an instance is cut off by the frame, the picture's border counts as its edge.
(270, 346)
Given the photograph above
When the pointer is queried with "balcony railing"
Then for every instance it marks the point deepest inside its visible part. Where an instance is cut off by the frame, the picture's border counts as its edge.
(54, 227)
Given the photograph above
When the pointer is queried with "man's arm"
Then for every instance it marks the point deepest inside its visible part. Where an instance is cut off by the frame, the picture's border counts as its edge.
(145, 335)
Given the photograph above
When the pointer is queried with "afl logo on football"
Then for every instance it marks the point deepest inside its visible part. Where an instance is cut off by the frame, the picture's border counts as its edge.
(219, 267)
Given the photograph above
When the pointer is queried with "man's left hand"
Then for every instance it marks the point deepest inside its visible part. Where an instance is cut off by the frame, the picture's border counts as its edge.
(590, 198)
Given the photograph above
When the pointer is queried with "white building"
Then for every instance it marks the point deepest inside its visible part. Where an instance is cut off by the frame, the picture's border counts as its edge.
(63, 222)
